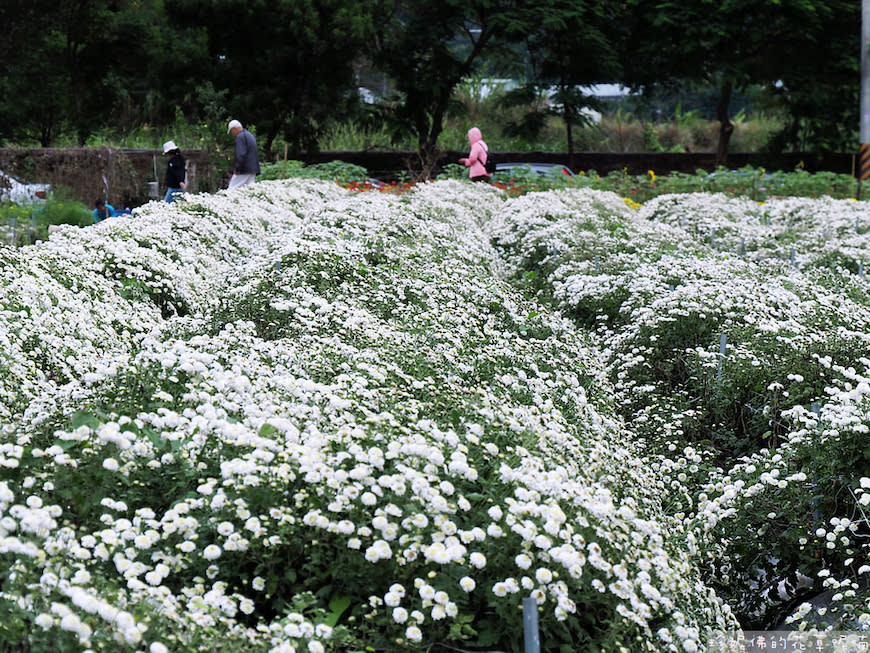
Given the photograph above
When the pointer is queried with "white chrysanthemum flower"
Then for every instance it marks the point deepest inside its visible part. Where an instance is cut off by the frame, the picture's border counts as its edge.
(379, 550)
(392, 599)
(400, 615)
(477, 560)
(544, 576)
(399, 589)
(44, 621)
(414, 634)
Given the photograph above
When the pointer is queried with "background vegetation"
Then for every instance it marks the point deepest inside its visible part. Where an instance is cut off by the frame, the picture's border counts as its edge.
(303, 74)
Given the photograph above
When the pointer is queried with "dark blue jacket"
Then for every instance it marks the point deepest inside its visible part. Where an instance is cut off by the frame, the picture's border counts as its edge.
(247, 160)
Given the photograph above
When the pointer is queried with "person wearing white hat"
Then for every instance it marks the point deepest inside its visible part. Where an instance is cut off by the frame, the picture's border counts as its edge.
(176, 172)
(246, 165)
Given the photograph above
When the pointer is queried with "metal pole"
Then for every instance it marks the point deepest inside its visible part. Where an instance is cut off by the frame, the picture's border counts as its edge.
(723, 344)
(532, 637)
(814, 407)
(108, 171)
(864, 151)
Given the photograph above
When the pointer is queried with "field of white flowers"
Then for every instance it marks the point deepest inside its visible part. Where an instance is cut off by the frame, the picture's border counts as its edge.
(295, 418)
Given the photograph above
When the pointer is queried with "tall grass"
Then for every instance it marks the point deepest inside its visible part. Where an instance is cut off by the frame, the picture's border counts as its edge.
(475, 104)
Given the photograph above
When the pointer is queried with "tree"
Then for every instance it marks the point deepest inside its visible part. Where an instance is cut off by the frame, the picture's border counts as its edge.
(571, 44)
(427, 48)
(819, 87)
(20, 22)
(286, 65)
(732, 44)
(74, 70)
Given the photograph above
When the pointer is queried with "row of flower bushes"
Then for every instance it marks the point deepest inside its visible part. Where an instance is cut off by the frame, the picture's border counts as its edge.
(752, 363)
(291, 417)
(748, 182)
(294, 417)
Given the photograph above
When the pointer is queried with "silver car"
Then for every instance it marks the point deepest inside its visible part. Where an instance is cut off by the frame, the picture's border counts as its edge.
(540, 168)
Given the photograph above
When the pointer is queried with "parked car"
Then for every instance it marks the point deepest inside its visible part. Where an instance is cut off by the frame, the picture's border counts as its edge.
(13, 189)
(540, 168)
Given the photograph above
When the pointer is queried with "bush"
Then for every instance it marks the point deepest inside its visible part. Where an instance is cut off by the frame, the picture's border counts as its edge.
(29, 223)
(333, 171)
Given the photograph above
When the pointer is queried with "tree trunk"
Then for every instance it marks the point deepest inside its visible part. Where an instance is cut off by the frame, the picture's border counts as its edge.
(271, 135)
(726, 127)
(428, 130)
(428, 154)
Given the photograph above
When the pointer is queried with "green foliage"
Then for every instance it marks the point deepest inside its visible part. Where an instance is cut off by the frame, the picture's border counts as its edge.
(736, 44)
(109, 72)
(428, 50)
(25, 224)
(345, 173)
(297, 79)
(754, 183)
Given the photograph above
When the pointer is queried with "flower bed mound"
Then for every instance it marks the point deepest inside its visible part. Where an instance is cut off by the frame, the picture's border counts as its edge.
(354, 435)
(734, 334)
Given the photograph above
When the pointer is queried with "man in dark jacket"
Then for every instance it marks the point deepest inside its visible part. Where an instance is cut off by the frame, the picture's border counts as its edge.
(246, 165)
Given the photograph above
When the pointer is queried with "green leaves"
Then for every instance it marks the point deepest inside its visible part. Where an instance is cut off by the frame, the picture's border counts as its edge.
(338, 605)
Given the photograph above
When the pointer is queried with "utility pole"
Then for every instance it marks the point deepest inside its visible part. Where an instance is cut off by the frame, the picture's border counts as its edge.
(864, 152)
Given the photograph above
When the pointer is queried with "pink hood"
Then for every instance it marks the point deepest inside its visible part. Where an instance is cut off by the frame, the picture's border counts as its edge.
(477, 156)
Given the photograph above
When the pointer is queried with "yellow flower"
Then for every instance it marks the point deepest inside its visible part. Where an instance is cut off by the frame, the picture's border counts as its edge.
(630, 203)
(652, 176)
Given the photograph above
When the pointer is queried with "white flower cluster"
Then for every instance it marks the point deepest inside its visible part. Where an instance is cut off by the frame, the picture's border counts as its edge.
(662, 291)
(208, 401)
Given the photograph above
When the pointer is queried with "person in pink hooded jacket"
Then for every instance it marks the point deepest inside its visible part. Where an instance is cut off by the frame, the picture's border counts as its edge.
(476, 159)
